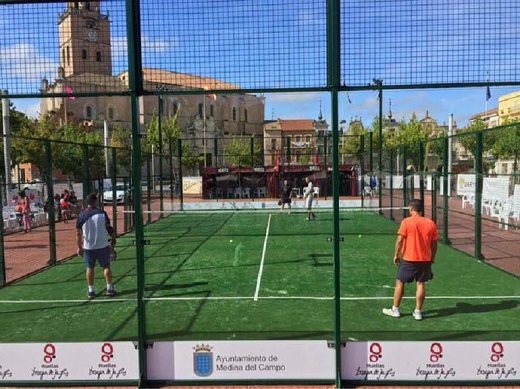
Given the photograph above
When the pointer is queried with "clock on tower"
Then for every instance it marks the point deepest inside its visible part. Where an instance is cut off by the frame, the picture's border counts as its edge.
(92, 35)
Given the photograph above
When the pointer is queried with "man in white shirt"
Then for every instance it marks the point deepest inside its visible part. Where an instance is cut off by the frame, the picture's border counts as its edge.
(92, 232)
(308, 196)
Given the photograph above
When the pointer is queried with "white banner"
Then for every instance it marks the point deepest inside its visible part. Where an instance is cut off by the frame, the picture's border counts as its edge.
(192, 185)
(106, 361)
(431, 361)
(466, 184)
(241, 360)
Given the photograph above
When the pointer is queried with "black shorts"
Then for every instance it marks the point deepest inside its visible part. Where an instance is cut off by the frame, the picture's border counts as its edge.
(409, 271)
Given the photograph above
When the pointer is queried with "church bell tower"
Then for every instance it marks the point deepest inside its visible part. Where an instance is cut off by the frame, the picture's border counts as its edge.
(84, 40)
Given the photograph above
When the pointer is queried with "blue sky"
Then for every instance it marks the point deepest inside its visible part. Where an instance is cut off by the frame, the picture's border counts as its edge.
(274, 44)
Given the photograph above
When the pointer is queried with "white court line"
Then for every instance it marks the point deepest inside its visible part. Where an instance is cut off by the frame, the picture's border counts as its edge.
(261, 270)
(151, 299)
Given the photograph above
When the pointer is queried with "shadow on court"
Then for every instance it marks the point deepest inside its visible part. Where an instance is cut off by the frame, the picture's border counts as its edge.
(463, 308)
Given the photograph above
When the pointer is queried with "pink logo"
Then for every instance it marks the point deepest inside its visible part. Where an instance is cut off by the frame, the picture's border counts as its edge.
(375, 352)
(435, 352)
(107, 352)
(50, 353)
(497, 351)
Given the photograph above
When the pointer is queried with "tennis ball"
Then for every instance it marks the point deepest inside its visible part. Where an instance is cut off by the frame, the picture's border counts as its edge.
(231, 241)
(359, 236)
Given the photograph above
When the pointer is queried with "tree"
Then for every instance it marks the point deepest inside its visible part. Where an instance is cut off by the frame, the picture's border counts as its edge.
(351, 142)
(122, 141)
(507, 144)
(238, 151)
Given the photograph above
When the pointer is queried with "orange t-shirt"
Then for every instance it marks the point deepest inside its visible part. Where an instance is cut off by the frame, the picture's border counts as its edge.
(419, 232)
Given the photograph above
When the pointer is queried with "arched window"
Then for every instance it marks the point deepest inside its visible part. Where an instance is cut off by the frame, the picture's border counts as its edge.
(200, 110)
(88, 112)
(98, 56)
(110, 113)
(245, 115)
(175, 109)
(234, 114)
(84, 54)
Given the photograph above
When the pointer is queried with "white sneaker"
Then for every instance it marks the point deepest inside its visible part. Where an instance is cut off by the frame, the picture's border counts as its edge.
(417, 315)
(392, 312)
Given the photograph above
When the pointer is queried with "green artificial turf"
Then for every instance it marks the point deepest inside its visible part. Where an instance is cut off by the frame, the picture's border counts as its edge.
(202, 274)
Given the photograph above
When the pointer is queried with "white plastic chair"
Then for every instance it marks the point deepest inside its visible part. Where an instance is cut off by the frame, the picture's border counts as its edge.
(503, 212)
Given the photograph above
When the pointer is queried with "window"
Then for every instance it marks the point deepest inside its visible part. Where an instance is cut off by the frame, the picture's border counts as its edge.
(98, 56)
(84, 54)
(245, 115)
(200, 110)
(308, 139)
(110, 113)
(175, 108)
(68, 55)
(211, 111)
(273, 144)
(88, 112)
(298, 138)
(234, 114)
(63, 57)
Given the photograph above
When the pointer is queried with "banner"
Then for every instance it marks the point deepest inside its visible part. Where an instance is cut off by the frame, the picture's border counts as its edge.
(431, 361)
(241, 360)
(103, 361)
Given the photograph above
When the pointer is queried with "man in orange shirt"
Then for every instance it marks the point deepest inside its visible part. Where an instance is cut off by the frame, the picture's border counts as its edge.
(415, 250)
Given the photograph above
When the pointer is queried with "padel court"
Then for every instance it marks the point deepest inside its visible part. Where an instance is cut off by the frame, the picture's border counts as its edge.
(261, 276)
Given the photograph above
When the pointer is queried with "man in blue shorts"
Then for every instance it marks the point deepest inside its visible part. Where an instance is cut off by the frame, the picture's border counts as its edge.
(92, 231)
(415, 250)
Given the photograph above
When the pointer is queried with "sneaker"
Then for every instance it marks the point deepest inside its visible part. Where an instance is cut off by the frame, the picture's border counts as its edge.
(111, 292)
(308, 219)
(417, 315)
(91, 294)
(392, 312)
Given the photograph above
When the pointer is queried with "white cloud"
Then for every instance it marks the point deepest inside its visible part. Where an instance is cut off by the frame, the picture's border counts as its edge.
(23, 61)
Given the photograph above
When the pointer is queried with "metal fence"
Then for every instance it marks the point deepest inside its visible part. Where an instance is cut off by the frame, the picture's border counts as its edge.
(130, 62)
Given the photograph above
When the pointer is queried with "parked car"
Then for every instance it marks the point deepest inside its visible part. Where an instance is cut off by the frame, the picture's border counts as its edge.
(122, 194)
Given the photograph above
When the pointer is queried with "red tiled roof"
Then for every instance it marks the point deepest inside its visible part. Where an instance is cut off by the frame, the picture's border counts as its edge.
(296, 125)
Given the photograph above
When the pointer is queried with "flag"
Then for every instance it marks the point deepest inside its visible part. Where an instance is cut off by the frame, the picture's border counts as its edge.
(68, 89)
(488, 93)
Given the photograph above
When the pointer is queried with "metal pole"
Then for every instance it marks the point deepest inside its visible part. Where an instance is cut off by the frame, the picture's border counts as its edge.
(447, 191)
(7, 140)
(204, 127)
(105, 143)
(380, 148)
(161, 193)
(478, 195)
(133, 31)
(334, 80)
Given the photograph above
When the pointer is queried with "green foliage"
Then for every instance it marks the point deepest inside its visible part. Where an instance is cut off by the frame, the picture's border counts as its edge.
(121, 139)
(507, 143)
(351, 142)
(468, 138)
(238, 151)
